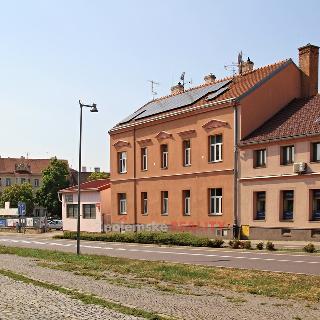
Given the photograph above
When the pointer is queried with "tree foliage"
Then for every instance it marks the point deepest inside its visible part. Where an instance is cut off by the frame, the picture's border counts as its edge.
(18, 192)
(54, 178)
(98, 175)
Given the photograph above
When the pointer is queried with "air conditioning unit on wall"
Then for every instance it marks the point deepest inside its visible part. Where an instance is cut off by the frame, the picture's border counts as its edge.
(299, 167)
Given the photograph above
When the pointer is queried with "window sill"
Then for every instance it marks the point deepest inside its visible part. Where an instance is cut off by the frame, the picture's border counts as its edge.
(286, 164)
(164, 214)
(123, 172)
(165, 168)
(315, 221)
(286, 220)
(122, 214)
(214, 214)
(259, 167)
(314, 161)
(217, 161)
(187, 165)
(259, 220)
(144, 214)
(143, 170)
(187, 214)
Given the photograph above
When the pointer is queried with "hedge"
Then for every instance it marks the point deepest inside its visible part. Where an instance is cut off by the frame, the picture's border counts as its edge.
(178, 239)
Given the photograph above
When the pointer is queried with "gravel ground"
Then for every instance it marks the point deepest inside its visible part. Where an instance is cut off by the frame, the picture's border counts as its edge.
(21, 301)
(207, 304)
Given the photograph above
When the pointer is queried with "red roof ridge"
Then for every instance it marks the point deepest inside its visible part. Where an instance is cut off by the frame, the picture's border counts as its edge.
(97, 184)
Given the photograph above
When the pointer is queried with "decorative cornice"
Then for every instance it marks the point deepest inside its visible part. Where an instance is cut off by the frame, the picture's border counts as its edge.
(187, 134)
(214, 124)
(163, 135)
(121, 143)
(145, 142)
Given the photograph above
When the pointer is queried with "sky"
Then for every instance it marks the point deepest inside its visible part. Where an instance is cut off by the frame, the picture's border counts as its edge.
(55, 52)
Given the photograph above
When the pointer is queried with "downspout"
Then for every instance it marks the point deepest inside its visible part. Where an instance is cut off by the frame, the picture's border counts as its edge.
(134, 179)
(235, 170)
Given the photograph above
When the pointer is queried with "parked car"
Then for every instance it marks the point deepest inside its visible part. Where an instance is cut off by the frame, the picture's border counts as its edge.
(55, 224)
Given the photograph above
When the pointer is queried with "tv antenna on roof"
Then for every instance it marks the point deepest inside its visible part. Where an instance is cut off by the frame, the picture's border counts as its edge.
(235, 65)
(153, 84)
(182, 78)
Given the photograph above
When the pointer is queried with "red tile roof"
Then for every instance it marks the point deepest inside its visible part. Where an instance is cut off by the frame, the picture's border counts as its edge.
(301, 117)
(240, 84)
(94, 185)
(8, 165)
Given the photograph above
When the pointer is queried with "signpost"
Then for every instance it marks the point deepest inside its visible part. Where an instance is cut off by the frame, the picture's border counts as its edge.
(22, 212)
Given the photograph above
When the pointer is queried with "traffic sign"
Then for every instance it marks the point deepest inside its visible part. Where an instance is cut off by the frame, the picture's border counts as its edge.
(22, 208)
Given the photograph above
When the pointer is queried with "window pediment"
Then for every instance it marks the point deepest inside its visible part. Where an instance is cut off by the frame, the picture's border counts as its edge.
(163, 135)
(187, 134)
(212, 124)
(121, 143)
(145, 142)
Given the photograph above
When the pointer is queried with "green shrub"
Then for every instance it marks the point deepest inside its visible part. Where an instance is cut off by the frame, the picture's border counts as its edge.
(236, 244)
(270, 246)
(215, 243)
(247, 245)
(309, 248)
(260, 246)
(167, 238)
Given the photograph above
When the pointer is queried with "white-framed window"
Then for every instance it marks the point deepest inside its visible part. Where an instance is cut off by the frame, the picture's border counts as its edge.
(315, 152)
(215, 201)
(186, 153)
(8, 182)
(164, 202)
(122, 203)
(144, 202)
(89, 211)
(122, 158)
(287, 153)
(215, 148)
(164, 156)
(68, 198)
(260, 158)
(186, 202)
(144, 158)
(36, 182)
(72, 211)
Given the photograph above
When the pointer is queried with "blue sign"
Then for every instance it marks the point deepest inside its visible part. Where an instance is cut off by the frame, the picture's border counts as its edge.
(2, 223)
(22, 208)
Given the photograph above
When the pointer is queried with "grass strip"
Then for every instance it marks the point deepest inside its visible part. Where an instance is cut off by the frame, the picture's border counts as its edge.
(84, 297)
(280, 285)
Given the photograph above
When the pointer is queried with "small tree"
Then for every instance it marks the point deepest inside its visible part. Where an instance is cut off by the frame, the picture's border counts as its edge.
(19, 192)
(98, 175)
(54, 178)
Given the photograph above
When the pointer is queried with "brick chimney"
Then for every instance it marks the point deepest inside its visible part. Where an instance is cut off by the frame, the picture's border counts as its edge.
(247, 66)
(210, 78)
(177, 89)
(309, 64)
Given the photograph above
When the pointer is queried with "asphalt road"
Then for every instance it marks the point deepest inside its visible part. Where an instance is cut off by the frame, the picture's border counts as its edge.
(222, 257)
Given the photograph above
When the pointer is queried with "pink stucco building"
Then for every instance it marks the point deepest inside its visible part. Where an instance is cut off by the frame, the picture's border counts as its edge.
(95, 206)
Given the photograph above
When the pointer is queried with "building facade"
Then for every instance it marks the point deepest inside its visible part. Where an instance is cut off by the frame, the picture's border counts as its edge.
(22, 170)
(176, 161)
(280, 170)
(94, 206)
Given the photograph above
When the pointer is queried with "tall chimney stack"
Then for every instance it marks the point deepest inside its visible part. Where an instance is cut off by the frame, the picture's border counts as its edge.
(179, 88)
(309, 64)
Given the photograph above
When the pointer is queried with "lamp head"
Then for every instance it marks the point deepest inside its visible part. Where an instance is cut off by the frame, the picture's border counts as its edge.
(94, 108)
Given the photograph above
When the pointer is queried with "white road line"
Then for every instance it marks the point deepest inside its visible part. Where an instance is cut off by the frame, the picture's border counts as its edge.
(163, 252)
